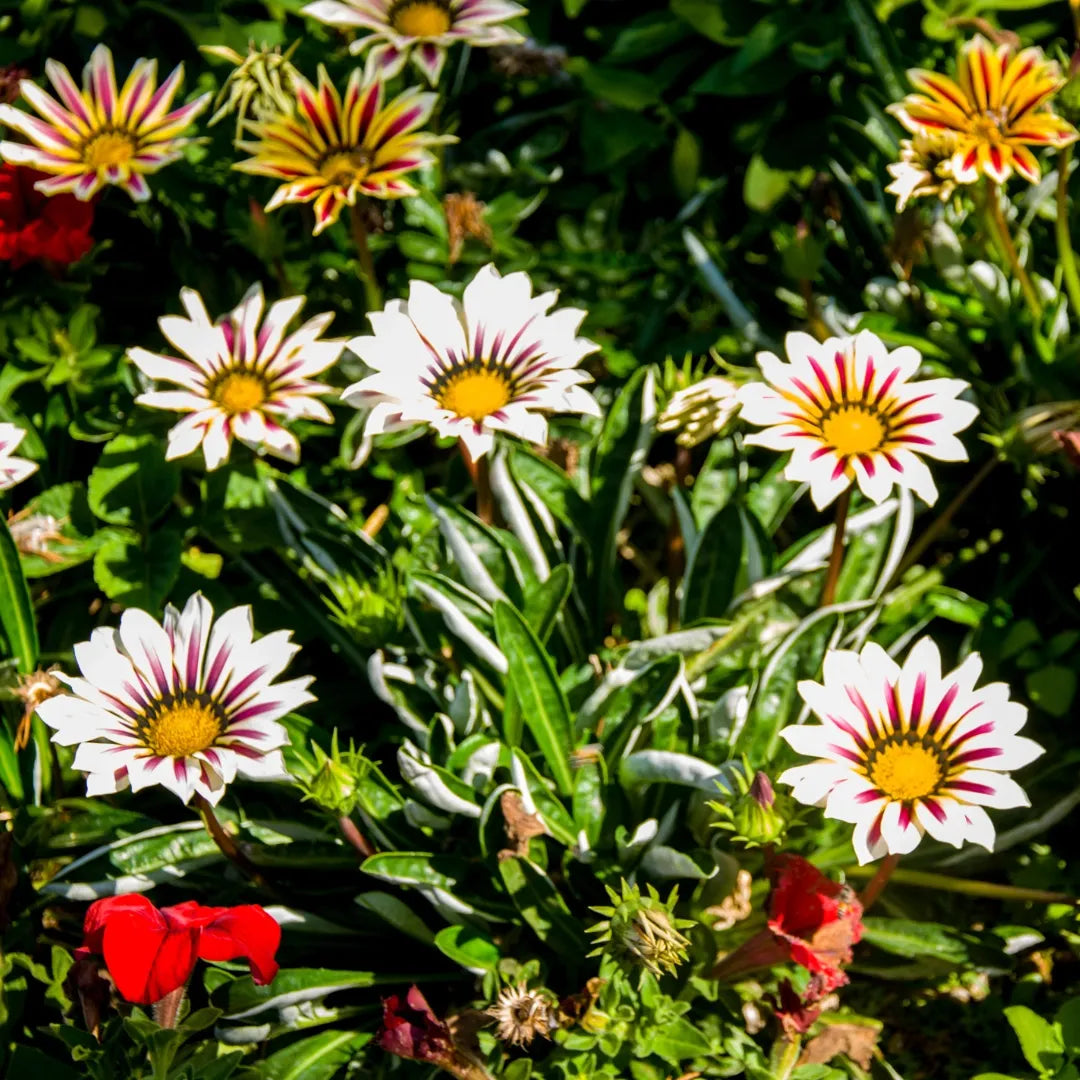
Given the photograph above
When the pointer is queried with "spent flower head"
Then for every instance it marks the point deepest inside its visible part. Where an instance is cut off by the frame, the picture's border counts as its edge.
(522, 1014)
(641, 932)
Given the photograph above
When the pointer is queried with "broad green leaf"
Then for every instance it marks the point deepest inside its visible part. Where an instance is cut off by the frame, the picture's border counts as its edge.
(1040, 1041)
(240, 998)
(469, 947)
(540, 697)
(66, 541)
(541, 906)
(397, 913)
(16, 610)
(620, 453)
(318, 1057)
(545, 600)
(713, 566)
(910, 939)
(548, 483)
(415, 868)
(139, 571)
(132, 483)
(677, 1040)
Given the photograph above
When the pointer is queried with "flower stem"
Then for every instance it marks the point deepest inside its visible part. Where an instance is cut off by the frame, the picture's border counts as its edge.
(480, 472)
(1066, 255)
(836, 558)
(876, 885)
(921, 879)
(355, 836)
(1008, 249)
(676, 545)
(167, 1010)
(227, 845)
(372, 292)
(940, 523)
(784, 1057)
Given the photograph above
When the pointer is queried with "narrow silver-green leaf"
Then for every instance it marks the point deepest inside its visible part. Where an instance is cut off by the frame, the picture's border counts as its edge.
(16, 611)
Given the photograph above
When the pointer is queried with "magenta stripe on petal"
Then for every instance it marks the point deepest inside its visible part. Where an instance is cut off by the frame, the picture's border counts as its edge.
(943, 707)
(405, 121)
(935, 808)
(868, 796)
(970, 785)
(917, 698)
(977, 755)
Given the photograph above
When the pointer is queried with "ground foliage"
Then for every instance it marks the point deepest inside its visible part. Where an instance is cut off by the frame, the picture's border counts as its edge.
(700, 176)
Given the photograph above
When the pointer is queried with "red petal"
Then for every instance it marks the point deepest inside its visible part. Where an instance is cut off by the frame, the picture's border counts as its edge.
(245, 931)
(101, 912)
(145, 959)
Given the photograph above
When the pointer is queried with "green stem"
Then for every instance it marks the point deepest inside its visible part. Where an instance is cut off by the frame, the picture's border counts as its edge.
(225, 842)
(836, 557)
(921, 879)
(372, 292)
(1066, 255)
(1008, 249)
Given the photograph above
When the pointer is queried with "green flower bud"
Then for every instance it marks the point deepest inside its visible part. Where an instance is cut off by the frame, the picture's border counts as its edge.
(334, 783)
(758, 816)
(641, 932)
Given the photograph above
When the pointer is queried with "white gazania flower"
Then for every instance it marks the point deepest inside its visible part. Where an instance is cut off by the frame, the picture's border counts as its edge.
(906, 751)
(13, 470)
(240, 377)
(495, 362)
(189, 703)
(422, 29)
(847, 409)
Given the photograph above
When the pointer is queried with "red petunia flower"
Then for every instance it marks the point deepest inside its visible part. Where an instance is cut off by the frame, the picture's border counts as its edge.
(35, 226)
(411, 1030)
(151, 952)
(812, 920)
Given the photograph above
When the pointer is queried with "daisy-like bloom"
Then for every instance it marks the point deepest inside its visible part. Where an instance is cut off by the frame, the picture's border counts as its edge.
(924, 168)
(333, 150)
(99, 136)
(522, 1014)
(905, 751)
(495, 362)
(997, 107)
(189, 703)
(847, 408)
(422, 29)
(13, 470)
(240, 376)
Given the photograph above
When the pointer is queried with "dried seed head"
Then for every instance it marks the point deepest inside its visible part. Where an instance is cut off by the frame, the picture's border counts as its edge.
(33, 689)
(522, 1014)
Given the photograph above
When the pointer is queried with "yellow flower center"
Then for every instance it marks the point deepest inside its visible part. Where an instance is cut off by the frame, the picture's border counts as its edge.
(182, 729)
(988, 127)
(239, 392)
(475, 394)
(906, 770)
(109, 148)
(345, 167)
(853, 429)
(421, 18)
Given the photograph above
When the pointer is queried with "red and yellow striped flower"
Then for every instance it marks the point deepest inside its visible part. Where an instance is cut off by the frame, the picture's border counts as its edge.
(334, 150)
(98, 135)
(998, 106)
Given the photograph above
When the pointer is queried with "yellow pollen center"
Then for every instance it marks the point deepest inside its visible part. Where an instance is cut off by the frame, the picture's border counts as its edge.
(475, 394)
(853, 430)
(182, 729)
(906, 771)
(240, 392)
(421, 18)
(345, 167)
(109, 148)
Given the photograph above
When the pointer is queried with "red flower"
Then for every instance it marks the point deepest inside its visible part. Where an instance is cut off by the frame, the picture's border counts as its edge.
(35, 226)
(795, 1015)
(150, 953)
(812, 921)
(411, 1030)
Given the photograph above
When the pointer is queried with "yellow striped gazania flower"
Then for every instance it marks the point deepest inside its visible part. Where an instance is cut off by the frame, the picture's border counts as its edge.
(998, 106)
(333, 150)
(97, 135)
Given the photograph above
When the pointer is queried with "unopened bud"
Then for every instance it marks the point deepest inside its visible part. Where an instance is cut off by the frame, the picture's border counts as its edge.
(642, 932)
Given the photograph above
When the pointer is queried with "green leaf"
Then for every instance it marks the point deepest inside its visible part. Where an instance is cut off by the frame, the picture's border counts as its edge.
(240, 998)
(763, 187)
(415, 868)
(713, 566)
(553, 488)
(540, 697)
(397, 913)
(132, 483)
(16, 610)
(677, 1040)
(469, 947)
(318, 1057)
(543, 908)
(544, 601)
(1040, 1041)
(138, 572)
(619, 456)
(1068, 1022)
(902, 937)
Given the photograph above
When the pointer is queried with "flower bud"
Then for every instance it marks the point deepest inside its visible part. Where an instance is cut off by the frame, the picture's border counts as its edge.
(334, 783)
(642, 932)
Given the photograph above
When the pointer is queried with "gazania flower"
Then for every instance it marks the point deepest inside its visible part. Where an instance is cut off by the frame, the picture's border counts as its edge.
(33, 226)
(422, 29)
(496, 362)
(905, 751)
(812, 921)
(924, 168)
(240, 376)
(98, 136)
(189, 703)
(13, 470)
(849, 410)
(150, 952)
(997, 107)
(332, 151)
(523, 1014)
